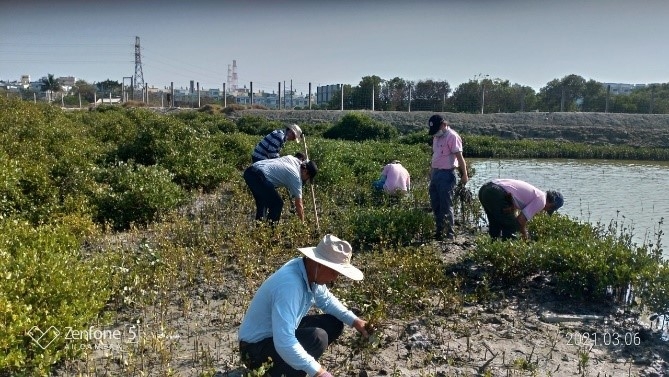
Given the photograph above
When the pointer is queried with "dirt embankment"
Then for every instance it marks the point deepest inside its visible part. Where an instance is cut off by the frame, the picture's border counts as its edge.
(641, 130)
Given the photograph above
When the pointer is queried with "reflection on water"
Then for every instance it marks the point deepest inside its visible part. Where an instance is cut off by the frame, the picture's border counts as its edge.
(632, 193)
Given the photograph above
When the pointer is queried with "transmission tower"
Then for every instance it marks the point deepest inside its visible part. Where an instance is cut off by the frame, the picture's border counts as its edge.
(139, 75)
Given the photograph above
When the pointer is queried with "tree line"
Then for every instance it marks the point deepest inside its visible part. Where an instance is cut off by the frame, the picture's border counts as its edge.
(494, 95)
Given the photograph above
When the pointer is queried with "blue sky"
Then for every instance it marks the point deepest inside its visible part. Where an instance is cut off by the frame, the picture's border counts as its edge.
(529, 42)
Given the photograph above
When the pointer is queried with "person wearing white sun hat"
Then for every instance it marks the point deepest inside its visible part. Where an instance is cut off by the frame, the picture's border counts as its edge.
(276, 324)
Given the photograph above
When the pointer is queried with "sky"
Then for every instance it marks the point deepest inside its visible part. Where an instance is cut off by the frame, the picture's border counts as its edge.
(528, 42)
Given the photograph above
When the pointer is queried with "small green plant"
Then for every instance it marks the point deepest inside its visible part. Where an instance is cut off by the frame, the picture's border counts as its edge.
(583, 360)
(357, 126)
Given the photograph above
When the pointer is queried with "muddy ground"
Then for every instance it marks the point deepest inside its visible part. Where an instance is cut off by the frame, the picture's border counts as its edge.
(523, 330)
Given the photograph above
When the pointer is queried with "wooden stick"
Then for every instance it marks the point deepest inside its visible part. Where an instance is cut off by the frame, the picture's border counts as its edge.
(313, 195)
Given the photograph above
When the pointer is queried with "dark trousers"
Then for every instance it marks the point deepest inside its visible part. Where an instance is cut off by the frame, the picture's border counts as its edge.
(268, 201)
(498, 207)
(314, 333)
(441, 188)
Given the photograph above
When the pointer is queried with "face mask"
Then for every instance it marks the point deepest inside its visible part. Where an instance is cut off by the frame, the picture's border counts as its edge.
(439, 133)
(314, 285)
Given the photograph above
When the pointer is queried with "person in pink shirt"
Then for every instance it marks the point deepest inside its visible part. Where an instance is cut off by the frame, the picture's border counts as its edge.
(510, 203)
(446, 158)
(394, 180)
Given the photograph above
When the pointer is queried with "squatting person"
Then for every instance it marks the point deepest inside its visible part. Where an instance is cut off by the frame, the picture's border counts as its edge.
(394, 180)
(276, 324)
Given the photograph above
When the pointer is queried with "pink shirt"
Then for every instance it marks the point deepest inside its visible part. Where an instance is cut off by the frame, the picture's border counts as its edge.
(444, 149)
(529, 199)
(397, 178)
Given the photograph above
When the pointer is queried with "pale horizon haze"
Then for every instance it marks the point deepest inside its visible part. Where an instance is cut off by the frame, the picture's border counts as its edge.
(528, 42)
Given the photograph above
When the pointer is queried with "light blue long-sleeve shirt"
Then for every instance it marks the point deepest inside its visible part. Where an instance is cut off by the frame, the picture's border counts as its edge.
(278, 307)
(283, 172)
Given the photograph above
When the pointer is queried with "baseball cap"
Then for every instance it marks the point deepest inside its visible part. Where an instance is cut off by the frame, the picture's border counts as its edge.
(435, 123)
(556, 199)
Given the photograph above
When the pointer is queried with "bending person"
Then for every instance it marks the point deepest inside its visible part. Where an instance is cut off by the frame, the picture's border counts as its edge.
(270, 146)
(264, 177)
(502, 198)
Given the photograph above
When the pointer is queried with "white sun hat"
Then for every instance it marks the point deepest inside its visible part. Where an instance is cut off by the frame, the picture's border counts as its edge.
(334, 253)
(296, 130)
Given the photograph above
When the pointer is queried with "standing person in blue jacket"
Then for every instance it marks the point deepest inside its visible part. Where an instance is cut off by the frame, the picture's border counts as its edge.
(276, 325)
(270, 146)
(446, 157)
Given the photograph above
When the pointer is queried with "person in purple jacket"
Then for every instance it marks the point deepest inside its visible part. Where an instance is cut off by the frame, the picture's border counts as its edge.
(510, 203)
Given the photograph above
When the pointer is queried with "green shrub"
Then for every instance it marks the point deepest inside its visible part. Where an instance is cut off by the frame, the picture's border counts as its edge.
(358, 127)
(582, 260)
(203, 120)
(257, 125)
(44, 283)
(232, 108)
(47, 158)
(135, 194)
(387, 226)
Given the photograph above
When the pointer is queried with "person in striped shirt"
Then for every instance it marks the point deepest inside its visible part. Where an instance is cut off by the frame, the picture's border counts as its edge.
(270, 146)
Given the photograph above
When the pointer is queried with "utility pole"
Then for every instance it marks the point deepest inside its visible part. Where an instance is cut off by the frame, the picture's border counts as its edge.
(372, 97)
(409, 98)
(482, 96)
(124, 94)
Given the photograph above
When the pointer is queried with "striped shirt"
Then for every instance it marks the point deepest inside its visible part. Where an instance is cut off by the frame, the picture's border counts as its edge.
(270, 145)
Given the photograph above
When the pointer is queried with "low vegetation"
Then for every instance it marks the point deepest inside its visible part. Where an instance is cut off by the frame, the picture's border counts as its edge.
(104, 219)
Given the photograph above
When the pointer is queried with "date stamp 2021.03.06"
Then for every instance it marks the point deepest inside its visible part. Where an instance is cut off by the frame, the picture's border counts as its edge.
(607, 339)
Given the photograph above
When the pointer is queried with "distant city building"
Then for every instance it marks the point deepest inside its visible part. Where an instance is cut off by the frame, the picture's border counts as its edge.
(620, 88)
(326, 93)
